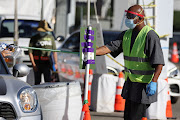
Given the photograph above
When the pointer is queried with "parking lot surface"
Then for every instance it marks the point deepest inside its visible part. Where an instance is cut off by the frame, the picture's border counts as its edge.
(107, 116)
(119, 115)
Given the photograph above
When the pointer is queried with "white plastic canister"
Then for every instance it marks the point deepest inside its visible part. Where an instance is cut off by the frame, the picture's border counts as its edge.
(60, 101)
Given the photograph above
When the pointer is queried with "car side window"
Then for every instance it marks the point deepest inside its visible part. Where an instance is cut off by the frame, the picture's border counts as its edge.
(109, 36)
(72, 43)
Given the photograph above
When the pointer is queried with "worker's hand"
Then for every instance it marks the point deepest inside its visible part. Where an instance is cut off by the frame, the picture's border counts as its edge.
(151, 88)
(56, 67)
(35, 68)
(6, 53)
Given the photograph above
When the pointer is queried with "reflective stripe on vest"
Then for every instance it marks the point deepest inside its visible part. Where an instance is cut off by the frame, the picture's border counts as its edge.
(138, 59)
(139, 72)
(36, 57)
(137, 66)
(44, 58)
(41, 58)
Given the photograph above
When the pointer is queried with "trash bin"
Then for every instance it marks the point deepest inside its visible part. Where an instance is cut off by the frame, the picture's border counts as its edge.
(103, 91)
(60, 100)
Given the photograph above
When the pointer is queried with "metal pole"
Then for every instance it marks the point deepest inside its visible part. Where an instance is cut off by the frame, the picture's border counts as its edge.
(155, 14)
(42, 9)
(81, 17)
(87, 65)
(15, 24)
(88, 13)
(67, 13)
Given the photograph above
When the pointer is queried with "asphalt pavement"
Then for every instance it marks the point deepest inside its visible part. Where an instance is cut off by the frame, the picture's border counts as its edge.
(119, 115)
(176, 110)
(176, 106)
(107, 116)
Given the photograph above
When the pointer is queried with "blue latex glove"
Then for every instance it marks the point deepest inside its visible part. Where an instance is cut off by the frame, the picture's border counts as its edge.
(54, 69)
(151, 88)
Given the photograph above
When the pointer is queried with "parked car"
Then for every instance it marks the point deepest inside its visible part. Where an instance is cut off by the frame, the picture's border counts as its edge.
(69, 63)
(18, 100)
(174, 82)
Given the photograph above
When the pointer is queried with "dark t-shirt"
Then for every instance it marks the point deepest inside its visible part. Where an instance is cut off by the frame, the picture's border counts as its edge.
(133, 90)
(44, 40)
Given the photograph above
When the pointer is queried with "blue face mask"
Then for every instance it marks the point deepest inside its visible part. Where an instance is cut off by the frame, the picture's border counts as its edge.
(130, 23)
(49, 33)
(42, 33)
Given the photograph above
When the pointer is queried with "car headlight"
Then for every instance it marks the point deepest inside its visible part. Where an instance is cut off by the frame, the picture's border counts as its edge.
(27, 99)
(173, 72)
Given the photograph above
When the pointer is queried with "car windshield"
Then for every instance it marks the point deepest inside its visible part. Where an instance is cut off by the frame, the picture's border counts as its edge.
(110, 36)
(26, 28)
(72, 43)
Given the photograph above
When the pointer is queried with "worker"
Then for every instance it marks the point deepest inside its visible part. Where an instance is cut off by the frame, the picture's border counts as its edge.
(41, 59)
(143, 62)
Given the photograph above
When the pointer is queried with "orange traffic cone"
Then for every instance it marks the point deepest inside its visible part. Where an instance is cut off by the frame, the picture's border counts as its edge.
(77, 73)
(175, 56)
(119, 101)
(169, 107)
(69, 71)
(85, 115)
(169, 114)
(89, 86)
(63, 68)
(144, 118)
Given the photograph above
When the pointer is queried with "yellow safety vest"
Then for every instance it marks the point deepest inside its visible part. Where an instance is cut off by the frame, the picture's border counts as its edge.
(137, 66)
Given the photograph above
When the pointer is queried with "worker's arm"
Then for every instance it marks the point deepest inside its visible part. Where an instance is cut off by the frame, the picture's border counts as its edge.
(102, 50)
(32, 61)
(152, 86)
(158, 70)
(55, 59)
(54, 53)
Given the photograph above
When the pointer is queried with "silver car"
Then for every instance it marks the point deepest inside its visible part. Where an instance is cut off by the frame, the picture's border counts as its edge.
(18, 100)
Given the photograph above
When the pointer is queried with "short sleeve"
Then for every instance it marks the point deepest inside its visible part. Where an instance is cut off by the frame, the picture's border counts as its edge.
(53, 43)
(153, 49)
(30, 45)
(115, 46)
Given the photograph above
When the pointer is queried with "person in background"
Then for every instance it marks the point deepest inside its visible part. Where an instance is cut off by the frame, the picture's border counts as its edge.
(143, 58)
(41, 59)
